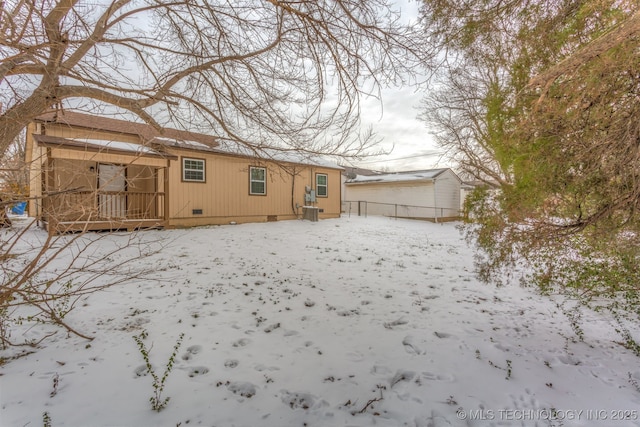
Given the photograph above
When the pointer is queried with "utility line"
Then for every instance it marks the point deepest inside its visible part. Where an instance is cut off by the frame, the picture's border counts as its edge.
(436, 153)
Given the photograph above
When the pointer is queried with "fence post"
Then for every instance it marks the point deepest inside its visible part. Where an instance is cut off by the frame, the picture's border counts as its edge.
(396, 206)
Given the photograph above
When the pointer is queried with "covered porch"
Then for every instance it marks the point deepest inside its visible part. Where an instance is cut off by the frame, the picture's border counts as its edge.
(101, 185)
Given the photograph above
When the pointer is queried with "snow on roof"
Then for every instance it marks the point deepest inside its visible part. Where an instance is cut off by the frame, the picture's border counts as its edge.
(182, 143)
(99, 144)
(144, 131)
(424, 175)
(117, 145)
(234, 148)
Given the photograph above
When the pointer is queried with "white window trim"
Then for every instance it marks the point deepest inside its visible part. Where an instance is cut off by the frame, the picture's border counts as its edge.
(251, 181)
(185, 169)
(326, 186)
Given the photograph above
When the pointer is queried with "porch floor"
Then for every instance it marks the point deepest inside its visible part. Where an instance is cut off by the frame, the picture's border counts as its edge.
(104, 225)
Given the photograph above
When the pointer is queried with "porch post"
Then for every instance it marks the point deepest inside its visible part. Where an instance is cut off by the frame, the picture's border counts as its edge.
(166, 193)
(49, 209)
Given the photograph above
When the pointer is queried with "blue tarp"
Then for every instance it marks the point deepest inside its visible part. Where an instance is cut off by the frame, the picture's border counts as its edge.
(18, 208)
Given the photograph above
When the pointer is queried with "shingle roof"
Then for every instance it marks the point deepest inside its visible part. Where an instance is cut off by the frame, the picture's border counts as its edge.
(112, 147)
(173, 138)
(146, 132)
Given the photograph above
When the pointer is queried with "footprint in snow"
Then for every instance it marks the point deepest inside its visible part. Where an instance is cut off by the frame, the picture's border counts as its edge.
(410, 346)
(141, 371)
(231, 363)
(197, 370)
(401, 376)
(301, 400)
(569, 360)
(442, 334)
(271, 328)
(241, 342)
(243, 389)
(526, 401)
(394, 323)
(191, 351)
(448, 378)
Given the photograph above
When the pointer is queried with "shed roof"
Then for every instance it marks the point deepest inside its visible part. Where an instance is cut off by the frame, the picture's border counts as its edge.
(352, 171)
(408, 176)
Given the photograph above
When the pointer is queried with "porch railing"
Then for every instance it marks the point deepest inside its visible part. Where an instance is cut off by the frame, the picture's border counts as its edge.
(103, 206)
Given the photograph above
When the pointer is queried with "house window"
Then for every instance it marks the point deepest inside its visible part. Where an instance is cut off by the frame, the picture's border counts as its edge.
(321, 185)
(258, 181)
(193, 170)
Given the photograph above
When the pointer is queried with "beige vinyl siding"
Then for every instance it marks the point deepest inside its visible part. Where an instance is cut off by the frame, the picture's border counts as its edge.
(330, 204)
(72, 168)
(225, 196)
(74, 175)
(34, 157)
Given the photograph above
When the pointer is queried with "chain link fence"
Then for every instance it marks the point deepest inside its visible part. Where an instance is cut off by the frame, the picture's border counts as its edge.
(395, 210)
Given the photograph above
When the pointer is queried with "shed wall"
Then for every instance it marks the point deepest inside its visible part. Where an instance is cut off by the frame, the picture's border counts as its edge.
(411, 199)
(447, 195)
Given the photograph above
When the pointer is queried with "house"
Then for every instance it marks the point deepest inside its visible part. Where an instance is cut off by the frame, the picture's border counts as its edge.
(94, 173)
(432, 194)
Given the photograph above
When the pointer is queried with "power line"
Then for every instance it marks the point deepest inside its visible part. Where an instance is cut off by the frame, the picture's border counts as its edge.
(431, 154)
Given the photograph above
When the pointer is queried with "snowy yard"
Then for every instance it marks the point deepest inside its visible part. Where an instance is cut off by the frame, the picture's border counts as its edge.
(347, 322)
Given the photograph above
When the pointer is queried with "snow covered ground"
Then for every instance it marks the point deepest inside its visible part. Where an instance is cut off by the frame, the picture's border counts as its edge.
(346, 322)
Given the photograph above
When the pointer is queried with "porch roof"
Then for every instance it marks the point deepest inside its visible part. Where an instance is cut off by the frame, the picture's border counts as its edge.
(101, 146)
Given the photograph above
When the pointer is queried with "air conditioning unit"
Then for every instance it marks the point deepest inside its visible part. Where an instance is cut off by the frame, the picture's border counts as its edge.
(310, 213)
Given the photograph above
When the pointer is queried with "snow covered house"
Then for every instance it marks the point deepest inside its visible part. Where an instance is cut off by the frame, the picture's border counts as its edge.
(432, 194)
(93, 173)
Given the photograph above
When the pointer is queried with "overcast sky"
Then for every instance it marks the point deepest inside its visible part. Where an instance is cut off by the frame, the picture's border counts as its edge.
(396, 123)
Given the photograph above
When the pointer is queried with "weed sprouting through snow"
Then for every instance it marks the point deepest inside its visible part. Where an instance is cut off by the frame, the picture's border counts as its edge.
(46, 419)
(157, 402)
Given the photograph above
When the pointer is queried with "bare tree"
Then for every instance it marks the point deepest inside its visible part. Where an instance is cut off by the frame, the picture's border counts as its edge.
(43, 281)
(283, 74)
(14, 178)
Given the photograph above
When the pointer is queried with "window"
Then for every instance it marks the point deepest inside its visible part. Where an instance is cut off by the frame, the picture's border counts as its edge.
(258, 181)
(321, 185)
(193, 170)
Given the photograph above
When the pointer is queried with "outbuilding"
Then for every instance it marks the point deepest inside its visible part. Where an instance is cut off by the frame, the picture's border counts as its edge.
(432, 194)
